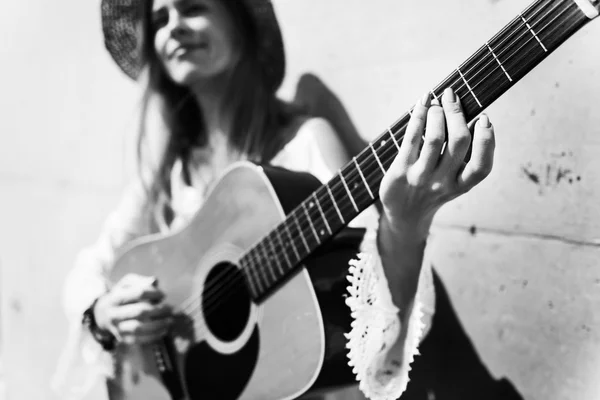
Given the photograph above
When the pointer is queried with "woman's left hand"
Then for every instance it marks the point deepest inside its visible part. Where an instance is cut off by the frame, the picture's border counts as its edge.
(422, 178)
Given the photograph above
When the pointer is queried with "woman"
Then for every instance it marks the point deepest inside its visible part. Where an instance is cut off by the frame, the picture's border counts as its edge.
(211, 69)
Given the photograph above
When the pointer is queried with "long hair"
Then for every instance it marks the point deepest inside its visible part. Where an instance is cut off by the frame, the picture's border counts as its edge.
(257, 113)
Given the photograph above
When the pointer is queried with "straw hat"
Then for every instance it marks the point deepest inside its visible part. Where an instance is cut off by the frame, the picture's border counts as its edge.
(121, 25)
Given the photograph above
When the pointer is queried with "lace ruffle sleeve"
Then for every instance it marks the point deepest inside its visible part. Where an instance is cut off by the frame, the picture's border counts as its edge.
(380, 349)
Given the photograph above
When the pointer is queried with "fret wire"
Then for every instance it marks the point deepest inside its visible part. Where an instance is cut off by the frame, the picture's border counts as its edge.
(335, 204)
(495, 37)
(363, 178)
(534, 34)
(373, 165)
(476, 59)
(498, 61)
(386, 159)
(394, 139)
(522, 31)
(490, 84)
(248, 274)
(455, 81)
(341, 192)
(328, 212)
(470, 70)
(287, 229)
(376, 158)
(266, 264)
(521, 38)
(253, 271)
(524, 50)
(327, 209)
(510, 27)
(354, 182)
(322, 214)
(518, 31)
(372, 169)
(310, 216)
(275, 255)
(310, 222)
(382, 144)
(295, 217)
(469, 88)
(519, 49)
(348, 190)
(284, 249)
(368, 162)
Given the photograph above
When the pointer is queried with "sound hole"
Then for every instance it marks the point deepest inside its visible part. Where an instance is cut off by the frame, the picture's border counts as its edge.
(226, 302)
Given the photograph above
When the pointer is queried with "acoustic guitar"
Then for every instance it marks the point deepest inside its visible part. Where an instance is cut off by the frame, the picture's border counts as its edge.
(258, 275)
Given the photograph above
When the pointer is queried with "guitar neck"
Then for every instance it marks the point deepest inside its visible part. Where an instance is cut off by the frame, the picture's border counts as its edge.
(493, 69)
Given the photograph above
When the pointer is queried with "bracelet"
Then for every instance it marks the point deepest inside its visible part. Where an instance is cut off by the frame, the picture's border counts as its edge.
(106, 339)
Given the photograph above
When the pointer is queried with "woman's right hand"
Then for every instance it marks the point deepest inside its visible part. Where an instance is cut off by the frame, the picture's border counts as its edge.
(134, 310)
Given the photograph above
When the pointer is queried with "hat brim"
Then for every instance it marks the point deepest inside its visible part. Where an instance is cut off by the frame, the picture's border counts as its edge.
(122, 29)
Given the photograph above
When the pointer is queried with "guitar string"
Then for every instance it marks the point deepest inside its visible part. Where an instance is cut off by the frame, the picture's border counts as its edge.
(277, 247)
(277, 251)
(497, 46)
(540, 6)
(305, 229)
(374, 168)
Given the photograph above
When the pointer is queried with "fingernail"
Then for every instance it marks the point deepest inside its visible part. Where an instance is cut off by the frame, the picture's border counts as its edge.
(449, 95)
(426, 99)
(484, 121)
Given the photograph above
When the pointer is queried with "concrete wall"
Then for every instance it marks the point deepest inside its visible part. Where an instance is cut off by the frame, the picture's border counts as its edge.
(519, 253)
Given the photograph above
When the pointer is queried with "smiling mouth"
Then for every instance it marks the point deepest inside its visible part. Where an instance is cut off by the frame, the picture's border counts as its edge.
(184, 50)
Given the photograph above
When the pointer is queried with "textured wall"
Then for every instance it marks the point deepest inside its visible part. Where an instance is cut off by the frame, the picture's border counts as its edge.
(518, 253)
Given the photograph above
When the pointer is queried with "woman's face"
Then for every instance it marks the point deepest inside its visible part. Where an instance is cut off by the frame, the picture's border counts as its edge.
(194, 39)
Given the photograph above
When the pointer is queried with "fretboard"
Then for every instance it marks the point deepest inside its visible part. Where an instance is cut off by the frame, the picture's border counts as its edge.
(493, 69)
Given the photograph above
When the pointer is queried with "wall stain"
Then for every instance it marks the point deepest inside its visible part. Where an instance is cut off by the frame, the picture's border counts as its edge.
(552, 173)
(533, 177)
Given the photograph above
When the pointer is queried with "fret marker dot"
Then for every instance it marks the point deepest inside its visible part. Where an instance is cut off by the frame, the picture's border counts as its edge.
(382, 143)
(311, 204)
(322, 232)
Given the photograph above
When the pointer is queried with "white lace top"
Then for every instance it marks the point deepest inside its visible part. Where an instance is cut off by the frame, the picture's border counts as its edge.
(379, 359)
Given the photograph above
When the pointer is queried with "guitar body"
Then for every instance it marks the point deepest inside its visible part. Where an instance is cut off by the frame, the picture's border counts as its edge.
(226, 346)
(229, 347)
